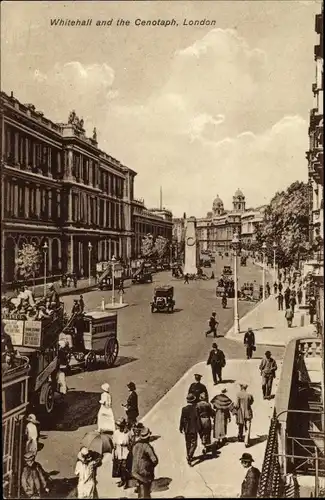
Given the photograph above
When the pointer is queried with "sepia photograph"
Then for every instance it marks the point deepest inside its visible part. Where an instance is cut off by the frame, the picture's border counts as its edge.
(162, 256)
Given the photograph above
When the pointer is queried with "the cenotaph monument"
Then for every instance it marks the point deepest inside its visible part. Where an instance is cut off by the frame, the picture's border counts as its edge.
(190, 247)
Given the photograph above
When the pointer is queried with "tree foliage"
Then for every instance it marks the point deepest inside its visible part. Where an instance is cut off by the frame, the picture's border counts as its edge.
(28, 261)
(286, 223)
(161, 247)
(148, 246)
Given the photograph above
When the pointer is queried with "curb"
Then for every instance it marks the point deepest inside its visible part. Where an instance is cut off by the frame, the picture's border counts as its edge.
(179, 381)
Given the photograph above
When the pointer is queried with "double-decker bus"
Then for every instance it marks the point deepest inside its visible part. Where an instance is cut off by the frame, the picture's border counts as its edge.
(14, 405)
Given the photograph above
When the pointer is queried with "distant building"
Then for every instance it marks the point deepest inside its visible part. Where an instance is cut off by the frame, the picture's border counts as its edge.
(215, 231)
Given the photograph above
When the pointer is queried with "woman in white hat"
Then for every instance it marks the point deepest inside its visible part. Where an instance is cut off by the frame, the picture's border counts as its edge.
(86, 470)
(31, 433)
(105, 417)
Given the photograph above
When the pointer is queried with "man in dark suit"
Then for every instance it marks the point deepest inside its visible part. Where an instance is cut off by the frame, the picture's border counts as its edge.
(249, 342)
(213, 324)
(287, 294)
(131, 405)
(249, 486)
(190, 425)
(217, 361)
(198, 388)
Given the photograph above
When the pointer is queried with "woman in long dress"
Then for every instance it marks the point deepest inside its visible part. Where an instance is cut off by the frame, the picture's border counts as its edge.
(222, 406)
(105, 417)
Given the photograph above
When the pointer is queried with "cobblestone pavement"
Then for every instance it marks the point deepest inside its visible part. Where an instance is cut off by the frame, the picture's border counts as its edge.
(155, 351)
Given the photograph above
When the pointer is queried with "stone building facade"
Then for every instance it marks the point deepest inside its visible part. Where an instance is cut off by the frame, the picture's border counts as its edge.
(216, 230)
(315, 157)
(59, 187)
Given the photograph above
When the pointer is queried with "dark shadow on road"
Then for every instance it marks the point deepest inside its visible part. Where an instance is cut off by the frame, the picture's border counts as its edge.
(202, 458)
(268, 328)
(177, 310)
(227, 381)
(79, 409)
(257, 440)
(161, 484)
(124, 360)
(63, 488)
(232, 439)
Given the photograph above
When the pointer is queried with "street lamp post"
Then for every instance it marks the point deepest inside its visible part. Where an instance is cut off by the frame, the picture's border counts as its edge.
(89, 262)
(263, 268)
(113, 279)
(274, 270)
(235, 245)
(45, 249)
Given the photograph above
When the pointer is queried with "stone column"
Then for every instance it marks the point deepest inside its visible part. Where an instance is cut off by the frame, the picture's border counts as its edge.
(105, 214)
(50, 204)
(16, 150)
(70, 254)
(121, 250)
(109, 249)
(90, 172)
(15, 200)
(27, 188)
(70, 207)
(27, 152)
(58, 203)
(49, 162)
(69, 164)
(58, 160)
(49, 261)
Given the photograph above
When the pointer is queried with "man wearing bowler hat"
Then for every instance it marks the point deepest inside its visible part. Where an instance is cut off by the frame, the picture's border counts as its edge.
(249, 486)
(217, 361)
(249, 342)
(268, 368)
(190, 425)
(198, 388)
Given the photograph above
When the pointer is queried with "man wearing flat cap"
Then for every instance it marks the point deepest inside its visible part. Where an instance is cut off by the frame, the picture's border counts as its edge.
(190, 425)
(249, 486)
(198, 388)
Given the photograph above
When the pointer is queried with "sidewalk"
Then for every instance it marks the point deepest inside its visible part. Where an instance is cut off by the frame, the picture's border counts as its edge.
(219, 477)
(270, 326)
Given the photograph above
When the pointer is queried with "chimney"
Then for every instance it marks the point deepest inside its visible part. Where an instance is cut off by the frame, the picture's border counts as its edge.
(11, 94)
(161, 205)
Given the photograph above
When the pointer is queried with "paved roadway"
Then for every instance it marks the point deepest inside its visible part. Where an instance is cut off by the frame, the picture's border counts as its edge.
(155, 351)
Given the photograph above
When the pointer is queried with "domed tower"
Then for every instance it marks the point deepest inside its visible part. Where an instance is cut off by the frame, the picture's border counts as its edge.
(239, 201)
(217, 207)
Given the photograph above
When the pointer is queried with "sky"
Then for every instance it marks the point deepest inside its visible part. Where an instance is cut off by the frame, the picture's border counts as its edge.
(198, 110)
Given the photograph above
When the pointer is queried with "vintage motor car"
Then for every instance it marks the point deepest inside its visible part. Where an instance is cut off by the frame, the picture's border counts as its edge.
(227, 270)
(163, 299)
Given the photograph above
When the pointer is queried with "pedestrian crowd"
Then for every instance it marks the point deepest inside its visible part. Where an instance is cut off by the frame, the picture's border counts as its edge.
(208, 421)
(25, 307)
